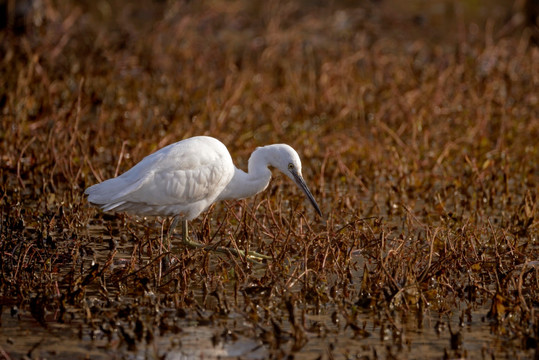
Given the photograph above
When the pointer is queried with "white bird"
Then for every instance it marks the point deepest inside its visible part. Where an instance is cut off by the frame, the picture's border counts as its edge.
(183, 179)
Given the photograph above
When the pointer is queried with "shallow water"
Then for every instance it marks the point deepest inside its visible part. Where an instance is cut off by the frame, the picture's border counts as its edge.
(416, 333)
(22, 335)
(412, 334)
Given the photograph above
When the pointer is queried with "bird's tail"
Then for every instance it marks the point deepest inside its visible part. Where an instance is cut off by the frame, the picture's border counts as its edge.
(109, 194)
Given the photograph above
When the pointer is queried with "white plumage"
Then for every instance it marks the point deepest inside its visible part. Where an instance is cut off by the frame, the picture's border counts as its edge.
(183, 179)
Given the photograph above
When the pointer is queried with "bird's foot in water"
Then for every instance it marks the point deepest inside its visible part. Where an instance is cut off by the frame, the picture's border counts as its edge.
(251, 256)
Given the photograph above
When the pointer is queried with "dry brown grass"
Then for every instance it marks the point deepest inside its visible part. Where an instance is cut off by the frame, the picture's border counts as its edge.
(420, 146)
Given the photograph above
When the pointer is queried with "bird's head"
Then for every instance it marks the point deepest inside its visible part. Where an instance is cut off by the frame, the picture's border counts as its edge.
(286, 159)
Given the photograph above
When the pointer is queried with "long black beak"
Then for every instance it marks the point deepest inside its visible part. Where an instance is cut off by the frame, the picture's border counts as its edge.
(303, 186)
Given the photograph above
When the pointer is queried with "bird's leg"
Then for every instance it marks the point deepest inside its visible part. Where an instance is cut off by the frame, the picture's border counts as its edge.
(185, 231)
(251, 255)
(173, 225)
(185, 236)
(170, 234)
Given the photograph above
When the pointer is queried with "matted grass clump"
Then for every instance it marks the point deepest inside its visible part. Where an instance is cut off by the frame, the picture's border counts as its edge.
(418, 135)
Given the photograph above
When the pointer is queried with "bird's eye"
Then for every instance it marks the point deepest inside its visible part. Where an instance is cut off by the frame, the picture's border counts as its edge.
(290, 166)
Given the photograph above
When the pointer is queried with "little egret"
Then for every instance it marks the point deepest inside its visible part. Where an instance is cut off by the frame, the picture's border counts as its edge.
(183, 179)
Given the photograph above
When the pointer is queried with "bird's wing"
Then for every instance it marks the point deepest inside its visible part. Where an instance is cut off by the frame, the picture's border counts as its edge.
(181, 185)
(176, 174)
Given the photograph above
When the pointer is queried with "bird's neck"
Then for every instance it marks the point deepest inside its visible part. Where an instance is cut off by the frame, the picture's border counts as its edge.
(244, 184)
